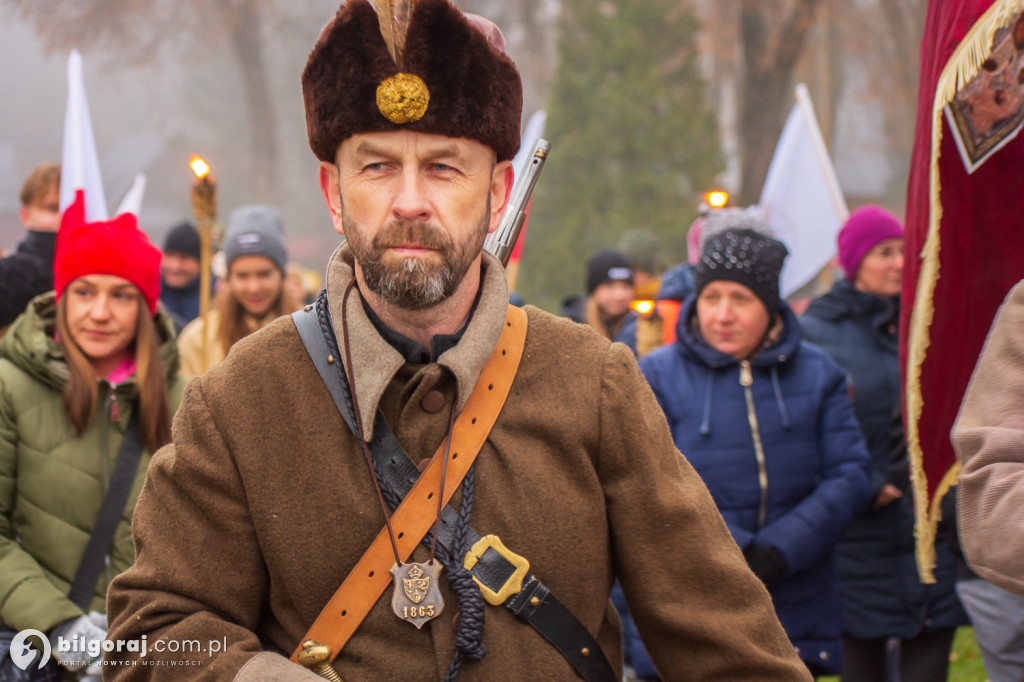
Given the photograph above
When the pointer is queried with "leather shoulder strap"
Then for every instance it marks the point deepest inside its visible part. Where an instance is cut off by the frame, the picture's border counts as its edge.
(415, 515)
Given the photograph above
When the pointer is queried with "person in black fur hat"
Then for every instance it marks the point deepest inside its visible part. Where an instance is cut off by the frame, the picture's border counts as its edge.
(530, 448)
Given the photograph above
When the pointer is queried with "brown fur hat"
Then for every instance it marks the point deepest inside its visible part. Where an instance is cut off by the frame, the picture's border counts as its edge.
(475, 90)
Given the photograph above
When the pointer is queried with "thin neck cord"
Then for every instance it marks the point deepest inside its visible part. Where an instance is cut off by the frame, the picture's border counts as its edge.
(359, 421)
(366, 450)
(470, 630)
(444, 472)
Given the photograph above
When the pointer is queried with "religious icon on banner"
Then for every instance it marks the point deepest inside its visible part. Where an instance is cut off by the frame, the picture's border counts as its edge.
(988, 111)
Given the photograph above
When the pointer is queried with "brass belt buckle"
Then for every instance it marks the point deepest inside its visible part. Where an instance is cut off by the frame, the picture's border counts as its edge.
(513, 584)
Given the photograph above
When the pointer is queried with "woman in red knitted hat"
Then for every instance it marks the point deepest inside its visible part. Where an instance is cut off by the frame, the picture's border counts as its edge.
(88, 383)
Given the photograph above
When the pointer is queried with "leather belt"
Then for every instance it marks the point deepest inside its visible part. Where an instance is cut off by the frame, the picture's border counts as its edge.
(502, 575)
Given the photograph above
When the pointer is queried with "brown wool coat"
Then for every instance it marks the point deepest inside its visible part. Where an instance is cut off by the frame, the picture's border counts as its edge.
(989, 439)
(252, 519)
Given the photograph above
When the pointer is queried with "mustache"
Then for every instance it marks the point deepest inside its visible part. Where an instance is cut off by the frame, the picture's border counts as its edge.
(411, 232)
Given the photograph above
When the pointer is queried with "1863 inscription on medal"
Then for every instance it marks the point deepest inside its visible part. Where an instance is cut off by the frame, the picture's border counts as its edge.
(417, 596)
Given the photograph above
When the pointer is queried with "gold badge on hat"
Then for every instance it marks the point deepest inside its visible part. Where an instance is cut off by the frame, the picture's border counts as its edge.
(402, 98)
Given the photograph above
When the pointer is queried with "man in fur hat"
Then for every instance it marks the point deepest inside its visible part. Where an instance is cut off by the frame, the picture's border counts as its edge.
(295, 467)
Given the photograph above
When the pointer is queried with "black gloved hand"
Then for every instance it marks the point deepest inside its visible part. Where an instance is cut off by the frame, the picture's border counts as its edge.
(766, 562)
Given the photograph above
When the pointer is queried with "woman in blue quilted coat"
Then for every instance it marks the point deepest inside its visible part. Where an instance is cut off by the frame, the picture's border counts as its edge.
(767, 422)
(883, 597)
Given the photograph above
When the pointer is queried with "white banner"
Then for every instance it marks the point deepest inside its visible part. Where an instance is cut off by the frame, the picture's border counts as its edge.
(801, 199)
(80, 166)
(132, 201)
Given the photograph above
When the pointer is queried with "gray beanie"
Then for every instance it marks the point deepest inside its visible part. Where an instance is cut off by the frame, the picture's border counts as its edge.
(255, 230)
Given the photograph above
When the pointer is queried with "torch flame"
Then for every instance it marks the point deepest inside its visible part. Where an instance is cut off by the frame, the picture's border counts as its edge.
(199, 167)
(717, 198)
(642, 307)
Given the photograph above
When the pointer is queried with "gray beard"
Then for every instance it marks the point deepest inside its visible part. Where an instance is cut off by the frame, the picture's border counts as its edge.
(412, 283)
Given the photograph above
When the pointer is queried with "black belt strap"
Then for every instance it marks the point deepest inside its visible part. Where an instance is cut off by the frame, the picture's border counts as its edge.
(114, 501)
(533, 603)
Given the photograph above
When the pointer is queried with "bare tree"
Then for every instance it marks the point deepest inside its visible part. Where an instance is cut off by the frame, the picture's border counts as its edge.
(773, 36)
(137, 33)
(757, 50)
(898, 63)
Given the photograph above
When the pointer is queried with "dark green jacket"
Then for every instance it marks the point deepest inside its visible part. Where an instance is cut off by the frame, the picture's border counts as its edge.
(51, 482)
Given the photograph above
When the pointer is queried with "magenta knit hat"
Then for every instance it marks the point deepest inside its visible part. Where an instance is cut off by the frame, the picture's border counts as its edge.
(865, 227)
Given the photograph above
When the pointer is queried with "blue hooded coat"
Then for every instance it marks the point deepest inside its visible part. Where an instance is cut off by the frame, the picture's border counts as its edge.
(882, 593)
(815, 463)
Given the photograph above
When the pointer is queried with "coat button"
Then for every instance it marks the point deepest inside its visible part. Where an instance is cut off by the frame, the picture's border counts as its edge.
(432, 402)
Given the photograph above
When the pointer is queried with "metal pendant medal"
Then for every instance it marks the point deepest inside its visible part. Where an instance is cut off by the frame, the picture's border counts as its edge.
(417, 594)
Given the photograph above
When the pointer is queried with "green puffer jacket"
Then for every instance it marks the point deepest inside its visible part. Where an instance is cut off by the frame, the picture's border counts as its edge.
(52, 483)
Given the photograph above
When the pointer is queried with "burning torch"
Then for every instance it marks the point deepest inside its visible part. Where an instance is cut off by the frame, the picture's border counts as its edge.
(204, 207)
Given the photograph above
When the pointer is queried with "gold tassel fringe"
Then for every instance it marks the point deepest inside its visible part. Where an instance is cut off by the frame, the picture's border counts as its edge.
(962, 66)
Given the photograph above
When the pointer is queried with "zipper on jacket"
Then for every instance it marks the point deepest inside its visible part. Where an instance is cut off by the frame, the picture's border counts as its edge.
(747, 380)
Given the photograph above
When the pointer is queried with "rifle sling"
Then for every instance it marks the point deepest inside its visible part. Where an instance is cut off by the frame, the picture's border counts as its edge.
(533, 602)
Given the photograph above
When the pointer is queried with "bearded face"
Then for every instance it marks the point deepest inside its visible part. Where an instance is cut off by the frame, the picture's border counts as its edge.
(414, 282)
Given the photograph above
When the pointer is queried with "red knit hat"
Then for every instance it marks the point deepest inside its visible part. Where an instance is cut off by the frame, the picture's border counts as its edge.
(107, 247)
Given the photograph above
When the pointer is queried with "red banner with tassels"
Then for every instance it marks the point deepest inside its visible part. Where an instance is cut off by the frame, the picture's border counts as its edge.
(964, 242)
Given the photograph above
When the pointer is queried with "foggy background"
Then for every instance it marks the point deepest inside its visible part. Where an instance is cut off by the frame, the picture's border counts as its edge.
(166, 80)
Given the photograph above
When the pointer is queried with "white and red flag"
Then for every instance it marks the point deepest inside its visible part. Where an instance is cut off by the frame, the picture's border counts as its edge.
(81, 181)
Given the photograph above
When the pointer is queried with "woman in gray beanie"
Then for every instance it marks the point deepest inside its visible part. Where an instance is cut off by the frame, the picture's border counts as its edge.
(254, 294)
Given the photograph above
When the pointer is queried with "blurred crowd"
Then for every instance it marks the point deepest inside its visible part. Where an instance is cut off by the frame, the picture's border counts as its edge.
(795, 424)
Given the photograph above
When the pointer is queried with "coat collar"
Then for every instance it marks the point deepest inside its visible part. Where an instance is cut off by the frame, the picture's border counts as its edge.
(376, 362)
(844, 301)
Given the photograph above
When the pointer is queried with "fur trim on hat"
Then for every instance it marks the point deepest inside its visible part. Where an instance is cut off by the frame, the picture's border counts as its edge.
(475, 90)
